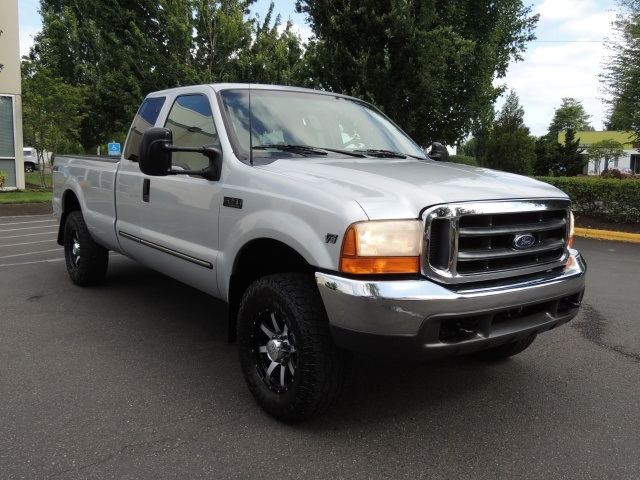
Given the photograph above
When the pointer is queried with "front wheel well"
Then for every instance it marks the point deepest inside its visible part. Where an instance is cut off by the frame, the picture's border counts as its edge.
(258, 259)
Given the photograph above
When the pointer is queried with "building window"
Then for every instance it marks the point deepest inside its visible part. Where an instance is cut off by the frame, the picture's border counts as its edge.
(7, 145)
(7, 140)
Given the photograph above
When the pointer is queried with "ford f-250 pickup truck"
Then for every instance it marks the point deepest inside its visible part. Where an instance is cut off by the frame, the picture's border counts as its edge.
(327, 231)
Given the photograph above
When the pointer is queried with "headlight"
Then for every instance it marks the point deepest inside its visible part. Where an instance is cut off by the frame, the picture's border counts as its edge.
(388, 246)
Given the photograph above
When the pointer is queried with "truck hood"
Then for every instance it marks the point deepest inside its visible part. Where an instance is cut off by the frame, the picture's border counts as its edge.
(398, 188)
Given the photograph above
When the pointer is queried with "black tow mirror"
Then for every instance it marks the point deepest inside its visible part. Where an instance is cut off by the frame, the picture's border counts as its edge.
(155, 156)
(438, 152)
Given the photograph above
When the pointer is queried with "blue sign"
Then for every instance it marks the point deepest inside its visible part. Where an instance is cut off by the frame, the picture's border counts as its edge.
(114, 149)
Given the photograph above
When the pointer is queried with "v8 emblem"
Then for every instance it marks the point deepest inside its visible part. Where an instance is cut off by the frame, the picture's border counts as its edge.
(331, 238)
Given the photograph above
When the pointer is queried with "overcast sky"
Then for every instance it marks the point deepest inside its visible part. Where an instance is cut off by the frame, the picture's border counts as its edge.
(565, 61)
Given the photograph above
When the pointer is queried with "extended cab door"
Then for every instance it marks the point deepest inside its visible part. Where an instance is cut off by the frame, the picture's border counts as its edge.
(171, 223)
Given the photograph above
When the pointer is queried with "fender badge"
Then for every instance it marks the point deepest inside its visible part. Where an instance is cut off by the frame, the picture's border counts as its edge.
(331, 238)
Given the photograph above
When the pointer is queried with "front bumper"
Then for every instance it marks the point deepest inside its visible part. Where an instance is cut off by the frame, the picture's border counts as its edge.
(421, 319)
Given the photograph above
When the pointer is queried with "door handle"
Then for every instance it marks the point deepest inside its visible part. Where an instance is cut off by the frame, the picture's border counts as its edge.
(146, 186)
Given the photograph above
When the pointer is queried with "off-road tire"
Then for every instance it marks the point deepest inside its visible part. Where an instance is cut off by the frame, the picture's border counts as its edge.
(503, 352)
(87, 262)
(287, 309)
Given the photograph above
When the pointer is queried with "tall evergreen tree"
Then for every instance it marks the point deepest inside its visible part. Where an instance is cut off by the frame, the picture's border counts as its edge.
(511, 147)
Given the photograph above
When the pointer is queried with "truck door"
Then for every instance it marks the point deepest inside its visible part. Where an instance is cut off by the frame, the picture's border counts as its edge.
(177, 215)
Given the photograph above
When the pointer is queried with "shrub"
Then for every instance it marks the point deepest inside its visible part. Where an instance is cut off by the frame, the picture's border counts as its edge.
(3, 178)
(614, 199)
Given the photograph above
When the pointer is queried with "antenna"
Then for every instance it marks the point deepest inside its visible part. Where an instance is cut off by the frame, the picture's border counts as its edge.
(250, 131)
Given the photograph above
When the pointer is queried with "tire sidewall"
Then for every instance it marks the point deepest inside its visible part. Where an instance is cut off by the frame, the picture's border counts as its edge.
(290, 405)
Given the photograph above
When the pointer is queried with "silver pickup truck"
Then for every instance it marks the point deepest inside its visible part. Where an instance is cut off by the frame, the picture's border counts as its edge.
(327, 231)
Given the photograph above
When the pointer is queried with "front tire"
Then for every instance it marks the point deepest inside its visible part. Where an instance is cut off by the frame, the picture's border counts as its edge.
(87, 262)
(289, 361)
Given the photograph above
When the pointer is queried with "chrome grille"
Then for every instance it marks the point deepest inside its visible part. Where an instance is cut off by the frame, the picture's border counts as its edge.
(472, 242)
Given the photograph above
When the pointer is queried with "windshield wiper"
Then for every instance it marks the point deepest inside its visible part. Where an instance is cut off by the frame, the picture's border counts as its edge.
(291, 148)
(302, 149)
(382, 153)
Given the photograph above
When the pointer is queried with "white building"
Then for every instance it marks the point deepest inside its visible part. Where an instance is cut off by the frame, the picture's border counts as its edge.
(11, 160)
(631, 147)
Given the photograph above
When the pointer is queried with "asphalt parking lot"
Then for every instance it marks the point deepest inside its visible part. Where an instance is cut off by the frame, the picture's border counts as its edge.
(135, 379)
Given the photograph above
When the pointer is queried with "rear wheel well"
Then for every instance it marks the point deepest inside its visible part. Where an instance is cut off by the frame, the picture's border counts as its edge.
(258, 259)
(70, 203)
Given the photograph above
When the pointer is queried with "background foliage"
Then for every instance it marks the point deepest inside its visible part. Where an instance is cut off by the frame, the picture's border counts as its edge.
(617, 200)
(429, 64)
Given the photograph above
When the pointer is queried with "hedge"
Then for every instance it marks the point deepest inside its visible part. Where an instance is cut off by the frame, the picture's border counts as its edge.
(617, 200)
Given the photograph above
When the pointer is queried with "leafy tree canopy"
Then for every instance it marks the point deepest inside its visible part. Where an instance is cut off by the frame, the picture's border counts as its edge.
(52, 114)
(622, 79)
(429, 64)
(124, 50)
(608, 150)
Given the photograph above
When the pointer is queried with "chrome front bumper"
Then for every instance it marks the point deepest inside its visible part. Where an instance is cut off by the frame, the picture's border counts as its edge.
(417, 317)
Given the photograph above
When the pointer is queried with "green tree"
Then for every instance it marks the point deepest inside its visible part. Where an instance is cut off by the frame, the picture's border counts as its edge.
(511, 147)
(51, 112)
(551, 156)
(124, 50)
(571, 115)
(608, 150)
(622, 78)
(430, 64)
(571, 160)
(272, 57)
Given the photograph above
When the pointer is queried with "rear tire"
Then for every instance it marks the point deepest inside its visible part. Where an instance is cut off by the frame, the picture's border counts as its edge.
(503, 352)
(289, 361)
(87, 262)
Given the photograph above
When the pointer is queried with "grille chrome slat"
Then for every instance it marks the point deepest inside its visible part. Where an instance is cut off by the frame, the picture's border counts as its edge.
(469, 255)
(528, 227)
(470, 242)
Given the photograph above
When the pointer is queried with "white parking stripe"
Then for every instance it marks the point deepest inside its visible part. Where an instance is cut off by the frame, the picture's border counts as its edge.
(26, 228)
(28, 243)
(32, 253)
(31, 263)
(28, 223)
(31, 235)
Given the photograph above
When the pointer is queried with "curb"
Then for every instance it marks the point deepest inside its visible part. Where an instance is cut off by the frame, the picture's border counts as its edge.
(607, 235)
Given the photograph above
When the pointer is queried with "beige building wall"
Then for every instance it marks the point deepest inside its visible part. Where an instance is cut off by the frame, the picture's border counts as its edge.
(11, 92)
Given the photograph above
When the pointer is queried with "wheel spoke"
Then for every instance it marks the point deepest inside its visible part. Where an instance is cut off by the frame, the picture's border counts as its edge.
(266, 330)
(275, 324)
(263, 349)
(291, 367)
(271, 368)
(282, 372)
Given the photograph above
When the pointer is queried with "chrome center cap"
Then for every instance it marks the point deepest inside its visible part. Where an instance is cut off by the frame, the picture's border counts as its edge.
(278, 349)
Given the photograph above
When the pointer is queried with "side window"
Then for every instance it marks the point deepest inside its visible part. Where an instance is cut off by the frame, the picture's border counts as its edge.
(144, 119)
(191, 122)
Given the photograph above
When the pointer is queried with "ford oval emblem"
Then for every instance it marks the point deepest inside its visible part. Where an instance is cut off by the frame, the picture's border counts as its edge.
(524, 241)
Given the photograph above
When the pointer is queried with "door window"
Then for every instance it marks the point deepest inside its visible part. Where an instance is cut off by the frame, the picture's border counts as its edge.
(191, 122)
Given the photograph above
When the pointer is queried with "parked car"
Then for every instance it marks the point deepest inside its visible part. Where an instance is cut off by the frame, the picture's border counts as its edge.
(30, 159)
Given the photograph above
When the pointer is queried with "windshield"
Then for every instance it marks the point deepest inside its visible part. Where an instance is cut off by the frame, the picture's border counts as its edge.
(283, 120)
